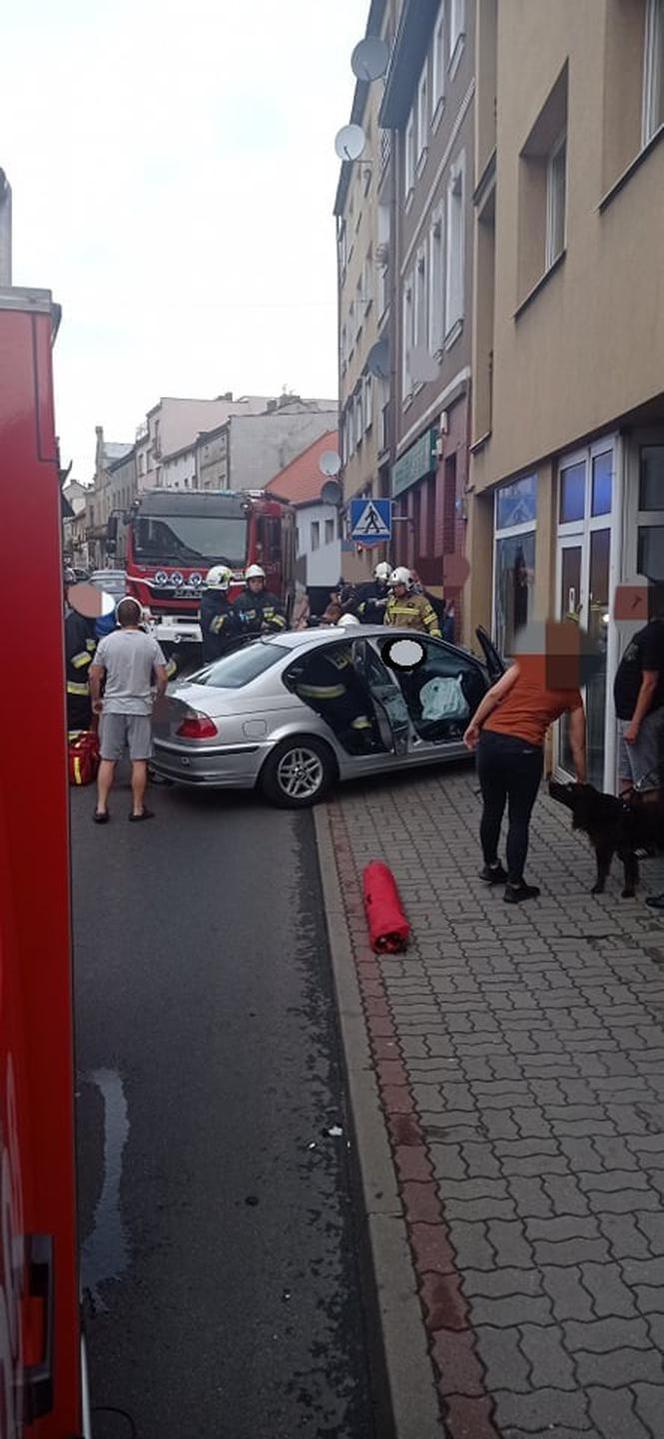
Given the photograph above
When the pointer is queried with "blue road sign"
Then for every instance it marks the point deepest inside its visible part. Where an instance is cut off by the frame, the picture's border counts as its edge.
(370, 521)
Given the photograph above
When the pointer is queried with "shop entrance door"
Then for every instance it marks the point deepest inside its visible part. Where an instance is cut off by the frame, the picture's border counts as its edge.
(585, 582)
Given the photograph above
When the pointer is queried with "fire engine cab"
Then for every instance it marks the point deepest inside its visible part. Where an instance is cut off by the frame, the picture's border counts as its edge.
(172, 538)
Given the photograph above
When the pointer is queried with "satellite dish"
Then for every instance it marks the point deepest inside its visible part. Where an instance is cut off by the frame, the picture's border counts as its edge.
(350, 142)
(329, 463)
(378, 360)
(370, 58)
(331, 493)
(422, 365)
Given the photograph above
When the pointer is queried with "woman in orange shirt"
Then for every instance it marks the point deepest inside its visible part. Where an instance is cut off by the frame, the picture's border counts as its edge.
(508, 731)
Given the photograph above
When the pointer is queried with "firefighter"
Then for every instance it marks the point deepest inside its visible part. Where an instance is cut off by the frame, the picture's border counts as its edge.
(409, 610)
(327, 681)
(219, 622)
(373, 597)
(258, 612)
(80, 646)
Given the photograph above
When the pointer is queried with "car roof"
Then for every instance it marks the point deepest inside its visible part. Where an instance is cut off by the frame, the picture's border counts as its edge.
(328, 634)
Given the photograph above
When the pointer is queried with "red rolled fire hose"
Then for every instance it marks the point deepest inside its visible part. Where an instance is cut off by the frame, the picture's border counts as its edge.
(389, 929)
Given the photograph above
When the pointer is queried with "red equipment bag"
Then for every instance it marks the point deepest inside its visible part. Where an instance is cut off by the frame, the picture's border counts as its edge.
(389, 929)
(83, 757)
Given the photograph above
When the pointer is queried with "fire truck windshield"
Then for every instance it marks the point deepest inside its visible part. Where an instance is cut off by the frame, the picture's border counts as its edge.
(184, 539)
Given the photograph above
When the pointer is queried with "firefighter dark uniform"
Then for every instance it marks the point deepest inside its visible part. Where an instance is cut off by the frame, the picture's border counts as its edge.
(372, 602)
(412, 612)
(329, 684)
(259, 612)
(219, 624)
(80, 646)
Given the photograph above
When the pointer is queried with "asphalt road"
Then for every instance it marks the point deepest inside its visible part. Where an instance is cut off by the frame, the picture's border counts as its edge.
(220, 1249)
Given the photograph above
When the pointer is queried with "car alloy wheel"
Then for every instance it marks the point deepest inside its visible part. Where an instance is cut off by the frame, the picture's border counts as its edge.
(300, 773)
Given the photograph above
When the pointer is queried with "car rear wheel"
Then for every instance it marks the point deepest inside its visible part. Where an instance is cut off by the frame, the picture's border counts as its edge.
(298, 773)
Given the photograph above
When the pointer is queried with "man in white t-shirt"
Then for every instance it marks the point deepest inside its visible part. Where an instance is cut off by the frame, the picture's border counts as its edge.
(135, 670)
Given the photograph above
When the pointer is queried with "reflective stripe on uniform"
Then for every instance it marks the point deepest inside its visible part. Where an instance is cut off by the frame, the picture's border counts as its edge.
(278, 620)
(81, 659)
(75, 689)
(91, 645)
(322, 692)
(362, 722)
(217, 624)
(77, 769)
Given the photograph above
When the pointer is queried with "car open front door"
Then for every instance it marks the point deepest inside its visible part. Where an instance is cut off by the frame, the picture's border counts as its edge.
(495, 664)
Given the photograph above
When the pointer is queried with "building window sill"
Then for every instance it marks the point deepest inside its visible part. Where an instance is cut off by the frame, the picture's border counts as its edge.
(453, 335)
(544, 280)
(368, 305)
(422, 160)
(407, 401)
(383, 317)
(418, 388)
(479, 444)
(408, 203)
(635, 165)
(455, 57)
(437, 114)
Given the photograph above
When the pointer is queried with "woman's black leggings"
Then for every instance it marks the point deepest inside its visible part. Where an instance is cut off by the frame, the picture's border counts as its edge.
(510, 770)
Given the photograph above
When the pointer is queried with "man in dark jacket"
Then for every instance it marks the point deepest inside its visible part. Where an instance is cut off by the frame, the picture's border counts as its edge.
(219, 622)
(373, 597)
(80, 646)
(258, 611)
(638, 693)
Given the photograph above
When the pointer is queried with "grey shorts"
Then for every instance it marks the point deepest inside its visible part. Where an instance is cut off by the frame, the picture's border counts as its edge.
(116, 731)
(642, 763)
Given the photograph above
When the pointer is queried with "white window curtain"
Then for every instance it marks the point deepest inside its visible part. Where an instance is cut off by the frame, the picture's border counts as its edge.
(556, 200)
(653, 70)
(409, 155)
(436, 284)
(423, 113)
(438, 63)
(407, 337)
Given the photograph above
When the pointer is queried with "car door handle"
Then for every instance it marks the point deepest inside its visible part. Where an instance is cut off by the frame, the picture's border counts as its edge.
(38, 1378)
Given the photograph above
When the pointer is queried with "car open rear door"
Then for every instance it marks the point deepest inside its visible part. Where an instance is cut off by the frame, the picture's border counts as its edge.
(495, 664)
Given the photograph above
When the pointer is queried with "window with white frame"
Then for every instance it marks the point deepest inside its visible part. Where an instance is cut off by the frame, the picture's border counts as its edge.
(457, 13)
(438, 65)
(515, 525)
(423, 115)
(653, 70)
(343, 346)
(329, 532)
(409, 156)
(436, 284)
(454, 259)
(350, 430)
(315, 534)
(421, 336)
(359, 308)
(342, 246)
(407, 322)
(556, 200)
(368, 402)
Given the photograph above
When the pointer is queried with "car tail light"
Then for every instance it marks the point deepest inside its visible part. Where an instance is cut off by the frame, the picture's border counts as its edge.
(197, 726)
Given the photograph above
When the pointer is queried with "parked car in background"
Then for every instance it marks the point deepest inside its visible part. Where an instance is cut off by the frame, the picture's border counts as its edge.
(114, 582)
(291, 714)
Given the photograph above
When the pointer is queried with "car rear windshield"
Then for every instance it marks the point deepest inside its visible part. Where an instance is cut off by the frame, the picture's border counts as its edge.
(236, 670)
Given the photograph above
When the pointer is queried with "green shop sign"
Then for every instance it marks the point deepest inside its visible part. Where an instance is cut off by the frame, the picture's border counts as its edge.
(420, 460)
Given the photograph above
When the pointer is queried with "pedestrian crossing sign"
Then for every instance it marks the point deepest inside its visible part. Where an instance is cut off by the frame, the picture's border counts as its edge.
(371, 521)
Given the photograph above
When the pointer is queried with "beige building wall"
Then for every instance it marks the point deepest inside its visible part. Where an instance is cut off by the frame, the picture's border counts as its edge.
(589, 345)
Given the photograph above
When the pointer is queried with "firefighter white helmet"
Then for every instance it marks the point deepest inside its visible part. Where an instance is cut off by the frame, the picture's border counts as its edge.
(347, 621)
(254, 572)
(218, 578)
(401, 576)
(382, 571)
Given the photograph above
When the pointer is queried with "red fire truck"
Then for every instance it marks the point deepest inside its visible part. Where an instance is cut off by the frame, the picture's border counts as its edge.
(42, 1392)
(172, 539)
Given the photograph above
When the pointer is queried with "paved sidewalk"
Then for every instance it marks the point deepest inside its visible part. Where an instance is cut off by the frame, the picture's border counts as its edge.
(519, 1055)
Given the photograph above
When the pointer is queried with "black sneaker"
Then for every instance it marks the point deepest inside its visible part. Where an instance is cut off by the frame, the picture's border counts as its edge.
(516, 893)
(494, 873)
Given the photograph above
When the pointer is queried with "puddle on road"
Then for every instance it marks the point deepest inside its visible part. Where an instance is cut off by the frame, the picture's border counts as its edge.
(105, 1252)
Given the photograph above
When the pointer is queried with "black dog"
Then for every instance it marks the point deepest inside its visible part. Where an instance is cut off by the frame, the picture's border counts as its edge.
(613, 826)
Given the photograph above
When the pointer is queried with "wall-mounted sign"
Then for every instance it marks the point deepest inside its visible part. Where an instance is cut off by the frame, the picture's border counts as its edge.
(420, 460)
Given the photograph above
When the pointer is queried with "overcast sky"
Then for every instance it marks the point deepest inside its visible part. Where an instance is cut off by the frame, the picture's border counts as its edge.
(173, 172)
